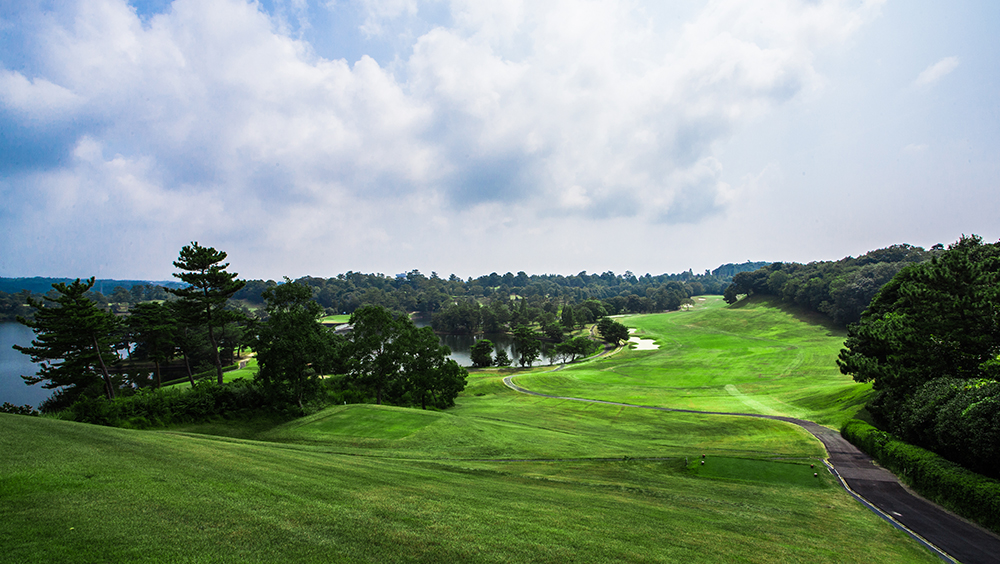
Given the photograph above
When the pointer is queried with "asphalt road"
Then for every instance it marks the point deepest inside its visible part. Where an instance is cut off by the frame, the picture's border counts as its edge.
(950, 537)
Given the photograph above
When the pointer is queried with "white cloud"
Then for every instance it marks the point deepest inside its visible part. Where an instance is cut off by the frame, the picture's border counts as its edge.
(937, 71)
(36, 99)
(218, 120)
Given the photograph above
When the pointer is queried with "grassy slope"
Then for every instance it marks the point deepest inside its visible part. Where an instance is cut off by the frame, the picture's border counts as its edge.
(503, 477)
(757, 358)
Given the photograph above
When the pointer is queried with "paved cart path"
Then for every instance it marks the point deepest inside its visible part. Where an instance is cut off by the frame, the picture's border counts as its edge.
(949, 536)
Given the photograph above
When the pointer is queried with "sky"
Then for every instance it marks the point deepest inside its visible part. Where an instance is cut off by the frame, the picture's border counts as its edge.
(316, 137)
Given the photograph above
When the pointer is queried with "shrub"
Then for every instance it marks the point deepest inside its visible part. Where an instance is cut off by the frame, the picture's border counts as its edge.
(969, 494)
(8, 407)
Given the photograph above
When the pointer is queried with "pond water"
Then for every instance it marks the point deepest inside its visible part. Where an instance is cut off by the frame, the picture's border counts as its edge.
(461, 345)
(13, 364)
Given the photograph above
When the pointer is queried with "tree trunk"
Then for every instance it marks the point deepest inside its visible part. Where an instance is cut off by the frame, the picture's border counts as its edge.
(109, 387)
(215, 350)
(187, 364)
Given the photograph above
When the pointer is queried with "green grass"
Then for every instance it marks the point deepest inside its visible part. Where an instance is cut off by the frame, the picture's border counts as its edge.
(757, 358)
(339, 318)
(248, 372)
(502, 477)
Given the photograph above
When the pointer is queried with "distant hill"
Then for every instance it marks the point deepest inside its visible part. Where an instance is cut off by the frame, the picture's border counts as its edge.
(40, 284)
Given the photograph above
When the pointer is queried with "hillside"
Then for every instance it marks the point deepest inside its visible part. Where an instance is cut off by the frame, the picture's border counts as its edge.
(502, 477)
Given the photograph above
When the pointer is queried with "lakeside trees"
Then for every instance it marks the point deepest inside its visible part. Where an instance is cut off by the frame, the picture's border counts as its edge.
(74, 344)
(399, 362)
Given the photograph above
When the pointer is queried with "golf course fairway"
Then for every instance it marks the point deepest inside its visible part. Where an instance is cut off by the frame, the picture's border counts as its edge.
(502, 477)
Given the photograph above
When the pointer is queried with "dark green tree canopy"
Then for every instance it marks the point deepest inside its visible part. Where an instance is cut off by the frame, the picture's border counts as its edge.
(933, 319)
(481, 353)
(401, 363)
(153, 327)
(74, 344)
(293, 349)
(201, 302)
(612, 331)
(527, 345)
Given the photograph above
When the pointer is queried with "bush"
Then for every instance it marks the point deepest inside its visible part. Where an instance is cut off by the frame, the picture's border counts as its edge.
(157, 408)
(8, 407)
(971, 495)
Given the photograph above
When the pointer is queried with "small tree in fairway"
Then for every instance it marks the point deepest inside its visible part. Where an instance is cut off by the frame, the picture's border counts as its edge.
(210, 286)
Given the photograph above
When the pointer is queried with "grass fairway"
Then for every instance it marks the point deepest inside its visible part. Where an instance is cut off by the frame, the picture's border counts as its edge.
(502, 477)
(756, 358)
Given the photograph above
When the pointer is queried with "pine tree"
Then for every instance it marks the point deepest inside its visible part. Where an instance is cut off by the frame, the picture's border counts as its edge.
(74, 343)
(202, 302)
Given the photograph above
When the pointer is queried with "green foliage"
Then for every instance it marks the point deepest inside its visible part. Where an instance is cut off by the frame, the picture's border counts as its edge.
(502, 358)
(967, 493)
(527, 345)
(929, 344)
(202, 302)
(577, 347)
(612, 331)
(74, 344)
(839, 289)
(152, 327)
(399, 363)
(8, 407)
(206, 401)
(293, 350)
(481, 353)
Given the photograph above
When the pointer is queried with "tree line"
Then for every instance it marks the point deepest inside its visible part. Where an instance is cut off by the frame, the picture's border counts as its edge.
(839, 289)
(87, 353)
(929, 342)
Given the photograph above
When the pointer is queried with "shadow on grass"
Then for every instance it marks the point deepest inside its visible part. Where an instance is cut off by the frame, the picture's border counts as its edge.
(798, 312)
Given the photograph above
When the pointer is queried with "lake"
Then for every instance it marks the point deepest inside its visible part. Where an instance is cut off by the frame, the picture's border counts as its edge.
(13, 364)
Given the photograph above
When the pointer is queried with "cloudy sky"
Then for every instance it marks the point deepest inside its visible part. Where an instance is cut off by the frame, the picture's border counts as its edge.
(464, 136)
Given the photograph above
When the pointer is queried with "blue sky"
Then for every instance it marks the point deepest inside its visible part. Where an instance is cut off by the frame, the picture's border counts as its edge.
(317, 137)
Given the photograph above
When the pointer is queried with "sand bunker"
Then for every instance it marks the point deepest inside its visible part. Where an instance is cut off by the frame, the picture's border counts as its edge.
(641, 344)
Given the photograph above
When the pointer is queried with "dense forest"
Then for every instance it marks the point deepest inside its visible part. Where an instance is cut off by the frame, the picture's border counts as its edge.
(840, 289)
(930, 344)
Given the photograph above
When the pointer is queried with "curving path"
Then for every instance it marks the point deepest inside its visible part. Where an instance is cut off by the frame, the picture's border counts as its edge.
(950, 537)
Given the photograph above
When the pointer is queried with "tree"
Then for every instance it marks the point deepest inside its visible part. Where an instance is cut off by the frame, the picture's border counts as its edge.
(576, 347)
(210, 286)
(612, 331)
(429, 375)
(293, 350)
(375, 348)
(152, 327)
(528, 347)
(481, 353)
(74, 343)
(567, 317)
(933, 320)
(502, 359)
